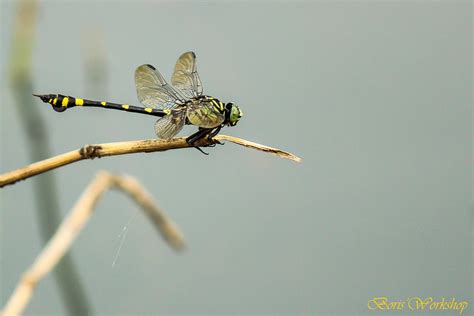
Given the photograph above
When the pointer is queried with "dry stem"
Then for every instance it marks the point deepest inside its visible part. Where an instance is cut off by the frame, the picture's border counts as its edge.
(121, 148)
(74, 223)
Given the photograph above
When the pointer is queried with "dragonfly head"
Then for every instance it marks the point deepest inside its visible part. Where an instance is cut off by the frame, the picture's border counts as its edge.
(232, 114)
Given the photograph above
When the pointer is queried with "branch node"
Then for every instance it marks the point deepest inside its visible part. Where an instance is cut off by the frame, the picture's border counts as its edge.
(90, 151)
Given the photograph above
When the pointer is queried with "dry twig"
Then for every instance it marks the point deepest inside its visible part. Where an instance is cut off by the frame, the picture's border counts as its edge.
(121, 148)
(72, 226)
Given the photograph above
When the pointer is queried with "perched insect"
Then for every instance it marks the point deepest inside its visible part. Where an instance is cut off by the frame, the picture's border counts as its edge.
(182, 103)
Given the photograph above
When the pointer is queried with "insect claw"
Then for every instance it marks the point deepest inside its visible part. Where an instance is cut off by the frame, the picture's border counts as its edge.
(198, 148)
(217, 142)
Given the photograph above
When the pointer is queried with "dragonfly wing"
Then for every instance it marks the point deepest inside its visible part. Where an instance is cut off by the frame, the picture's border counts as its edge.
(170, 125)
(204, 114)
(185, 75)
(153, 90)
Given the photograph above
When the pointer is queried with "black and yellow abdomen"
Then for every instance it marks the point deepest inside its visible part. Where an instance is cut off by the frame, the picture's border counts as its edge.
(61, 103)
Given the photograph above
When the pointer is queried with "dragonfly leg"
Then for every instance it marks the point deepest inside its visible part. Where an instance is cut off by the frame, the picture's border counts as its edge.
(201, 133)
(211, 135)
(199, 148)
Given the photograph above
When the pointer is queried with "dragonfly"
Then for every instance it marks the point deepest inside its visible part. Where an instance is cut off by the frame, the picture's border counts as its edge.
(176, 105)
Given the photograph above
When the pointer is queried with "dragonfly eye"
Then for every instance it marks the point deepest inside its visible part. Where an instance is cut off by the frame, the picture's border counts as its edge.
(234, 113)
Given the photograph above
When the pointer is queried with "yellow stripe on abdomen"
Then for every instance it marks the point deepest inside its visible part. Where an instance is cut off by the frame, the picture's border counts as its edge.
(65, 101)
(125, 106)
(80, 102)
(149, 110)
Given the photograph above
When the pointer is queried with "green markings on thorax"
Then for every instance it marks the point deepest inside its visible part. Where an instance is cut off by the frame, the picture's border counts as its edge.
(218, 105)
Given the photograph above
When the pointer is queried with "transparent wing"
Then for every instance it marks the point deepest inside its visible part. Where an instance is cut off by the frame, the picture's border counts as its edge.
(204, 114)
(153, 90)
(185, 75)
(170, 125)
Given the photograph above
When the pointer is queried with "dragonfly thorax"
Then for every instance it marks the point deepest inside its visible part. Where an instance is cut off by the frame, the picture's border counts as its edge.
(208, 112)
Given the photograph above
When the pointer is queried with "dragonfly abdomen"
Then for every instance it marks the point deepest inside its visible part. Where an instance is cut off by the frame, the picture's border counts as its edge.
(61, 103)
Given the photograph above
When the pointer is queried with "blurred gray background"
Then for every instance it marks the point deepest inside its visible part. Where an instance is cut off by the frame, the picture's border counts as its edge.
(376, 99)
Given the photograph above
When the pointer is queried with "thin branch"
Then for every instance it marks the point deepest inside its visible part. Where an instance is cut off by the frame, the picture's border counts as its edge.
(122, 148)
(264, 148)
(75, 222)
(165, 226)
